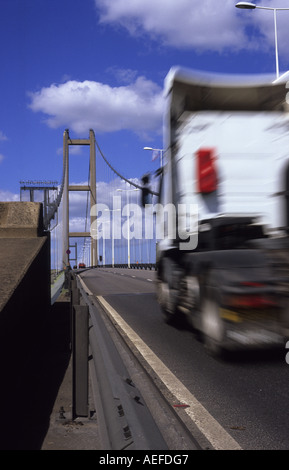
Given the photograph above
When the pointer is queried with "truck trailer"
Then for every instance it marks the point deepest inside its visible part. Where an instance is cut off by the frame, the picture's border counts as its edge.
(223, 210)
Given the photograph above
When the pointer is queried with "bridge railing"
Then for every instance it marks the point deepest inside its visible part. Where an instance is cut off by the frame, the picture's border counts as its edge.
(151, 266)
(124, 419)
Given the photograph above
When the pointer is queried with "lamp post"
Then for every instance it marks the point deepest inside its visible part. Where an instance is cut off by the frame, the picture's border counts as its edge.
(128, 227)
(112, 247)
(103, 244)
(252, 6)
(156, 150)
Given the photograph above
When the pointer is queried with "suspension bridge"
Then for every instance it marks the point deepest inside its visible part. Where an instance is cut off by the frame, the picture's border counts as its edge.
(100, 222)
(83, 352)
(55, 229)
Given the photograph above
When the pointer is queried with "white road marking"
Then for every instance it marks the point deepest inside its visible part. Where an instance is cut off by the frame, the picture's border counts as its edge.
(86, 289)
(211, 429)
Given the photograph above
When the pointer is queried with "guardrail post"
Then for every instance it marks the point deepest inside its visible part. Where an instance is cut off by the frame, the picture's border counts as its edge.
(80, 361)
(75, 294)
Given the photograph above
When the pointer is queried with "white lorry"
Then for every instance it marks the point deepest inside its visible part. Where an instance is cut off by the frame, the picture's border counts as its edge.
(223, 257)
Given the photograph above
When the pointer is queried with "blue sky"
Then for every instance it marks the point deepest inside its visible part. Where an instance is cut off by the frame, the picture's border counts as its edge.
(101, 64)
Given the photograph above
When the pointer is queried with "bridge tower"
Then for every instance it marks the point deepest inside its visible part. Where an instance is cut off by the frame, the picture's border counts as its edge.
(91, 188)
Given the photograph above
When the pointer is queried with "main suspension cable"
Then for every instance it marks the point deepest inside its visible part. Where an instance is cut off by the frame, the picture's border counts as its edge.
(123, 177)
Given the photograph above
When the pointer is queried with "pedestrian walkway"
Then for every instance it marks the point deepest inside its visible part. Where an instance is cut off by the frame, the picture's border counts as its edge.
(65, 433)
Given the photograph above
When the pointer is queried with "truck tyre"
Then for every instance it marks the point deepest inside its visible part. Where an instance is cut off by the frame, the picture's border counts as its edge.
(213, 327)
(167, 288)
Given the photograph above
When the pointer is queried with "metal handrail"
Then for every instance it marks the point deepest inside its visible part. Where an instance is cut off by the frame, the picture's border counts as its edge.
(123, 416)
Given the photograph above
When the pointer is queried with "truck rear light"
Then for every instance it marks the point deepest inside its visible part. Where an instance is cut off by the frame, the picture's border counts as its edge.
(252, 284)
(206, 170)
(251, 300)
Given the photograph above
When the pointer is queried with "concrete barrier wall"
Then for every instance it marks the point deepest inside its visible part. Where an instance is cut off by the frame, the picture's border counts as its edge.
(24, 286)
(21, 220)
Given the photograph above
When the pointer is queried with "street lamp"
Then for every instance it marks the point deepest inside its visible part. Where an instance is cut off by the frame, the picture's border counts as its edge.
(156, 150)
(112, 253)
(252, 6)
(128, 227)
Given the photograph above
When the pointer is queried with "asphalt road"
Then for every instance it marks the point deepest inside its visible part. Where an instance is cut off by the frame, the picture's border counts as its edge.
(247, 395)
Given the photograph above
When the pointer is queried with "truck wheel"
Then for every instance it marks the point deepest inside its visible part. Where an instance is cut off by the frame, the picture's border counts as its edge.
(167, 288)
(213, 327)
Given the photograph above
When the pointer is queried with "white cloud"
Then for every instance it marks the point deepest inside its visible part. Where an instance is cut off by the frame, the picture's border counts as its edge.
(123, 75)
(263, 21)
(203, 25)
(3, 136)
(81, 106)
(6, 196)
